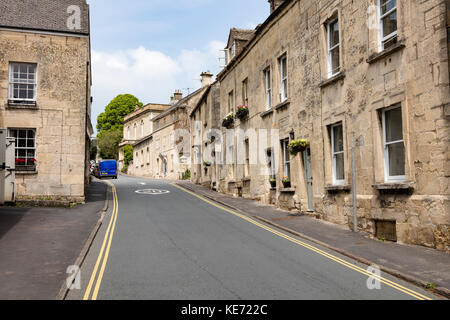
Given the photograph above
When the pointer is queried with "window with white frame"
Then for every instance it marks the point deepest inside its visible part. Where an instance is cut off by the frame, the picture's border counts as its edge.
(230, 102)
(247, 159)
(268, 87)
(25, 153)
(22, 82)
(284, 78)
(142, 128)
(286, 158)
(388, 23)
(337, 150)
(334, 59)
(394, 146)
(271, 162)
(233, 50)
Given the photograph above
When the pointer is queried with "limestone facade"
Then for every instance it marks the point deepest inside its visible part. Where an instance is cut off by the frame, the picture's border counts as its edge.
(45, 98)
(326, 72)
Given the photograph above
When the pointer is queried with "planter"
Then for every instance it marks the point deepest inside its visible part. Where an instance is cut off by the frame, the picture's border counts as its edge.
(227, 122)
(297, 146)
(273, 184)
(296, 149)
(287, 184)
(207, 164)
(242, 113)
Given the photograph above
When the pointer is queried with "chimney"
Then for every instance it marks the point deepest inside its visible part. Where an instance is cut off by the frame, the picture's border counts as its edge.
(274, 4)
(206, 79)
(177, 96)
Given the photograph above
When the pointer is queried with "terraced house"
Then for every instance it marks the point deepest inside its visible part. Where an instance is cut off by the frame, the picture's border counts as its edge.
(45, 95)
(327, 79)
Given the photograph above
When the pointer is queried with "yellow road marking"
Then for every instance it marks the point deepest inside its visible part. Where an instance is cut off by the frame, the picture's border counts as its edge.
(108, 235)
(312, 248)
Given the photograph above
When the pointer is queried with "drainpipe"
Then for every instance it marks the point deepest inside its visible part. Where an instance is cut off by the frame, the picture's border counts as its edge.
(355, 219)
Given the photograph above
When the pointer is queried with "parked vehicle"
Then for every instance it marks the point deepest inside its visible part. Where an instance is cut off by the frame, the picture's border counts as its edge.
(107, 168)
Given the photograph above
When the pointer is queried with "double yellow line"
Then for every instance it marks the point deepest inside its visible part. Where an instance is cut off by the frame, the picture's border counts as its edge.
(345, 263)
(103, 255)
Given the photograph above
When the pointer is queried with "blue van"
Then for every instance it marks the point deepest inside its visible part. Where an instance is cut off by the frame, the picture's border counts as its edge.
(107, 168)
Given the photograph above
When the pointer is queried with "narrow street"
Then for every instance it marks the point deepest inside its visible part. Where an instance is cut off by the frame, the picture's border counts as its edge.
(170, 244)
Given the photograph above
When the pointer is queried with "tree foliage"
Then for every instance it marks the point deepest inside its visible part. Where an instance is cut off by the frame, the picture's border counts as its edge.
(110, 124)
(128, 154)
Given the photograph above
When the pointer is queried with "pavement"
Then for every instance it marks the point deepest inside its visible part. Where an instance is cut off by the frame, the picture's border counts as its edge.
(38, 244)
(416, 264)
(161, 242)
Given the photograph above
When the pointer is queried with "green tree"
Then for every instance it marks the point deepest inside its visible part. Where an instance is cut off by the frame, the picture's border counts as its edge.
(108, 142)
(110, 124)
(128, 154)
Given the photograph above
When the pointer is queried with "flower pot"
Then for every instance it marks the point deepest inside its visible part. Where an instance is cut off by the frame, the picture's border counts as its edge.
(242, 113)
(227, 122)
(273, 184)
(287, 184)
(297, 149)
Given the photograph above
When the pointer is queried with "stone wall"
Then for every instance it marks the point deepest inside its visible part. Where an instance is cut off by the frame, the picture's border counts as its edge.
(60, 117)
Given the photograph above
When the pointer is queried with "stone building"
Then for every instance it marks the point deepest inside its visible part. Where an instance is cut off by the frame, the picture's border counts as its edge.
(45, 95)
(138, 125)
(165, 153)
(368, 76)
(205, 118)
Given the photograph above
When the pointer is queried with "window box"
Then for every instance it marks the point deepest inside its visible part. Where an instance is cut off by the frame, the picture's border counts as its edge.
(273, 183)
(286, 182)
(242, 112)
(228, 121)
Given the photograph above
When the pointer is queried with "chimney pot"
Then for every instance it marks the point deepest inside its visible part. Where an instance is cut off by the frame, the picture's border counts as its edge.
(206, 79)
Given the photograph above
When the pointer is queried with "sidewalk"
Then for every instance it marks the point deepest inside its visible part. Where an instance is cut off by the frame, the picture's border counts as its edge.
(416, 264)
(38, 244)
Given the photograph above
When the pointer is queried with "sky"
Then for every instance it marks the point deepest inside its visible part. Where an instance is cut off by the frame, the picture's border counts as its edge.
(150, 48)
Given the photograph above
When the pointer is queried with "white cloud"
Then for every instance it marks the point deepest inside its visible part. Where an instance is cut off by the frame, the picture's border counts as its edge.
(151, 76)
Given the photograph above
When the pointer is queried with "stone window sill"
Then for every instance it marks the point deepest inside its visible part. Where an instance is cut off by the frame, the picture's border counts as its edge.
(383, 54)
(282, 105)
(287, 190)
(333, 79)
(266, 113)
(247, 179)
(335, 188)
(21, 105)
(394, 186)
(26, 173)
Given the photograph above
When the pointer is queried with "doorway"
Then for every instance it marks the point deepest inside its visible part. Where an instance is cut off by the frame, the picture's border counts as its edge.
(308, 178)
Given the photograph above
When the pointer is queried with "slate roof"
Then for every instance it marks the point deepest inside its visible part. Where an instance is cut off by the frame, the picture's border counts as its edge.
(43, 15)
(239, 34)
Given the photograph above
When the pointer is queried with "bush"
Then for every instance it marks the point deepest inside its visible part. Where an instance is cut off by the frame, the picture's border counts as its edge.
(187, 175)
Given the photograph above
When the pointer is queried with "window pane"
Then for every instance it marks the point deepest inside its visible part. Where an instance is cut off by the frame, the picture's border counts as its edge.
(335, 63)
(387, 5)
(338, 139)
(396, 159)
(339, 166)
(390, 24)
(394, 127)
(334, 33)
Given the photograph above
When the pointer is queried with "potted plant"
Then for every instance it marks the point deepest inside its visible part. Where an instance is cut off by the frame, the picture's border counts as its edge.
(207, 163)
(228, 120)
(296, 146)
(286, 182)
(273, 182)
(242, 112)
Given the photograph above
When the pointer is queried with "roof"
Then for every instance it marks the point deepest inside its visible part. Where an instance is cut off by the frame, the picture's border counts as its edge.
(45, 15)
(254, 38)
(179, 104)
(239, 34)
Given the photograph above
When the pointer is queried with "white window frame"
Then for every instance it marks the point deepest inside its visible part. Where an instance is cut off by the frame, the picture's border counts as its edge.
(334, 153)
(26, 148)
(284, 78)
(233, 49)
(230, 102)
(383, 39)
(332, 72)
(268, 88)
(386, 145)
(245, 92)
(27, 82)
(142, 128)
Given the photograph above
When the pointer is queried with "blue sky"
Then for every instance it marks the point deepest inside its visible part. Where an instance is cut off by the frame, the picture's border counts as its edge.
(149, 48)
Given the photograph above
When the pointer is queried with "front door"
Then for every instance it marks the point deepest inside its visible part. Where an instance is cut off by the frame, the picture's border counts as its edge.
(308, 178)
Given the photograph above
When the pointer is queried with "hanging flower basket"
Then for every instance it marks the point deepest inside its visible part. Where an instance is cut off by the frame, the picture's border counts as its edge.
(207, 164)
(286, 182)
(228, 121)
(273, 182)
(242, 112)
(297, 146)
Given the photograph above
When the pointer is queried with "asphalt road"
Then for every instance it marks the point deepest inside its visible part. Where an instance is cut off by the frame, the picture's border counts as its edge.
(176, 246)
